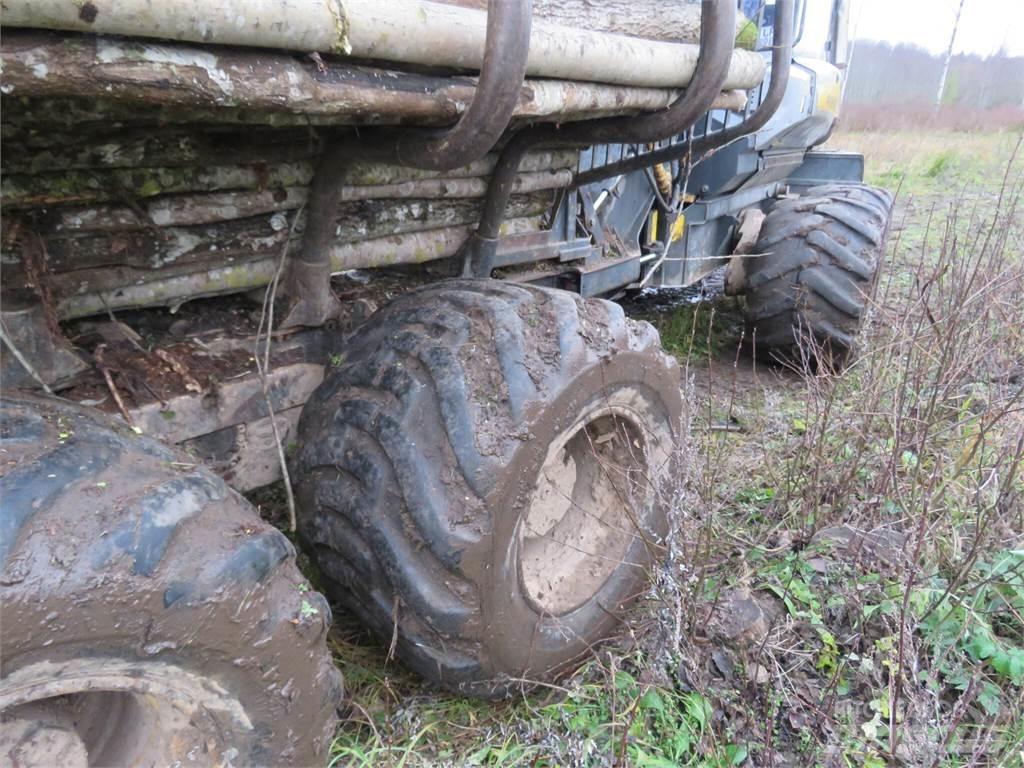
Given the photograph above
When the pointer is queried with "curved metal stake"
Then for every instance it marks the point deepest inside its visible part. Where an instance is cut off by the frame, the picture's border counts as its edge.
(718, 25)
(502, 73)
(782, 56)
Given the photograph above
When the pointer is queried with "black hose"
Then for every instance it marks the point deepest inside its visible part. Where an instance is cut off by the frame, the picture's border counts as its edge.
(718, 26)
(782, 54)
(497, 93)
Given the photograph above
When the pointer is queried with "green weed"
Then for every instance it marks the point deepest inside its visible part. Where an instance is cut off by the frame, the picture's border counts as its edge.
(940, 163)
(605, 715)
(697, 331)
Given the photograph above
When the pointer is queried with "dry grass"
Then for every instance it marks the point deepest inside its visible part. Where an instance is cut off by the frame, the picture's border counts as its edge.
(915, 657)
(904, 118)
(947, 165)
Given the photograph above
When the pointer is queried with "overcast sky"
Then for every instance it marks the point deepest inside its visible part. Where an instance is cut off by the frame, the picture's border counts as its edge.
(985, 25)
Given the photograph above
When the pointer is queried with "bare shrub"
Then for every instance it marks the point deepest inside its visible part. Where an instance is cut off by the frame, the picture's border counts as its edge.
(923, 436)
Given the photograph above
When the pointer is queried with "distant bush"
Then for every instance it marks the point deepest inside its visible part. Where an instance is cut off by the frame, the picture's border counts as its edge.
(915, 116)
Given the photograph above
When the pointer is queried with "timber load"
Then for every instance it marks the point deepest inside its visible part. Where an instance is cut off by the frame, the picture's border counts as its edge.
(159, 152)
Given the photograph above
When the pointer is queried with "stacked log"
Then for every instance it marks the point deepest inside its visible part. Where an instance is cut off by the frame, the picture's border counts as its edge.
(82, 78)
(148, 215)
(408, 32)
(146, 172)
(676, 21)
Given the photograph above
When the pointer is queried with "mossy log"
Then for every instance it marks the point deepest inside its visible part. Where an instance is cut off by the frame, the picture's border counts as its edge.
(184, 210)
(34, 149)
(92, 186)
(31, 149)
(91, 292)
(97, 185)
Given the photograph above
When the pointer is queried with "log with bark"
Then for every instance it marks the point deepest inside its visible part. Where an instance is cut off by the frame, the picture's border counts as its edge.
(678, 21)
(412, 32)
(234, 238)
(92, 292)
(184, 210)
(366, 180)
(204, 84)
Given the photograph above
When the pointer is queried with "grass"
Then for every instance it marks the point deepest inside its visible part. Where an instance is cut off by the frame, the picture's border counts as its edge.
(610, 709)
(690, 329)
(904, 646)
(945, 164)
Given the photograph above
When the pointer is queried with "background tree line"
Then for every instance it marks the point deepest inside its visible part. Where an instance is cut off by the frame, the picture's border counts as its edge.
(881, 73)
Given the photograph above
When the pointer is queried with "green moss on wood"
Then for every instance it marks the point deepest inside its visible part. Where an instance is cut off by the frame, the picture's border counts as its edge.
(746, 36)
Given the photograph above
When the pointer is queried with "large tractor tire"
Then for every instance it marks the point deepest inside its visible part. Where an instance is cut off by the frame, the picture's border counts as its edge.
(478, 480)
(149, 616)
(821, 256)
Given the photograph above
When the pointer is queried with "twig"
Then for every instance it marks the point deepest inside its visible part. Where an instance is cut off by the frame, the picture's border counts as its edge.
(368, 718)
(35, 262)
(394, 630)
(725, 427)
(98, 357)
(113, 319)
(267, 313)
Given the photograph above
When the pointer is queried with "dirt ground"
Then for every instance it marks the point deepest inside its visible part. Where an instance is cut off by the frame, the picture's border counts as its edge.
(847, 584)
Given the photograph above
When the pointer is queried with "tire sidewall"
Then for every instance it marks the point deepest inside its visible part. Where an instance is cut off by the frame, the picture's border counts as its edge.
(522, 640)
(219, 599)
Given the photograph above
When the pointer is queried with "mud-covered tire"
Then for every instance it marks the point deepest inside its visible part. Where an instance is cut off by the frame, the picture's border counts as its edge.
(820, 258)
(147, 608)
(418, 477)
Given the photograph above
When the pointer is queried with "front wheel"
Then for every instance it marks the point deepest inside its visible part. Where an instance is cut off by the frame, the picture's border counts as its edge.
(820, 259)
(479, 478)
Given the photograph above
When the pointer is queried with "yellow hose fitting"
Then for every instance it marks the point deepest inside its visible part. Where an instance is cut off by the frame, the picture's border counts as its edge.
(664, 179)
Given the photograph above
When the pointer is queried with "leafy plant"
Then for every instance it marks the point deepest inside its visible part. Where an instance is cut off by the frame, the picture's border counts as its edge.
(791, 581)
(982, 625)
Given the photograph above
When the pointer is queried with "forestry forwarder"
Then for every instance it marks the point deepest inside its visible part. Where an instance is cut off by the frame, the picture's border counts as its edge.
(194, 196)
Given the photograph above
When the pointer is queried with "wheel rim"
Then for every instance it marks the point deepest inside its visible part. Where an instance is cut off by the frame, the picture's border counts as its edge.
(110, 712)
(587, 510)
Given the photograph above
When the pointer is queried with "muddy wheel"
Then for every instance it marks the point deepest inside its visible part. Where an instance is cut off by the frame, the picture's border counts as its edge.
(149, 616)
(478, 478)
(822, 254)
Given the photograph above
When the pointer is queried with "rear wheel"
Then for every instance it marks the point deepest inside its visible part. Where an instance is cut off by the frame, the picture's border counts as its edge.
(821, 255)
(150, 616)
(478, 478)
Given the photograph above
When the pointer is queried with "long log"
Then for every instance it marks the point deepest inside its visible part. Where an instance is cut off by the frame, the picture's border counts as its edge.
(277, 87)
(93, 114)
(36, 150)
(103, 185)
(96, 185)
(654, 20)
(241, 238)
(186, 210)
(405, 31)
(96, 291)
(33, 150)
